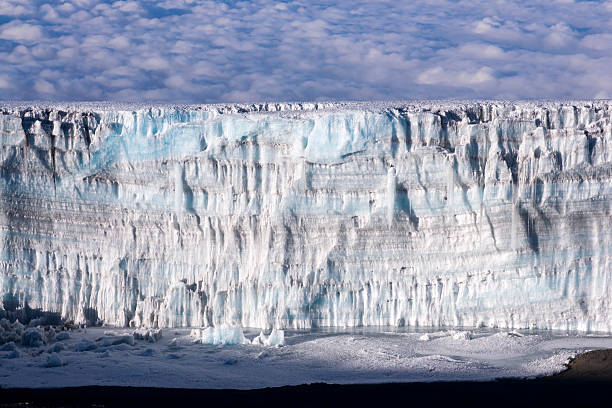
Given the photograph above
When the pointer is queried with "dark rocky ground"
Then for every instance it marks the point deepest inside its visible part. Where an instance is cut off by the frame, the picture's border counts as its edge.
(586, 383)
(595, 365)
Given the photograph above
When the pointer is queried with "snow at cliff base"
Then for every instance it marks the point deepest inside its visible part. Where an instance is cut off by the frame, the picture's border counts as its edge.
(177, 358)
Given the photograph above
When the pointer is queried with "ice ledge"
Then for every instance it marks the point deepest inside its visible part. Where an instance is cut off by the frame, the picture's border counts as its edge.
(411, 105)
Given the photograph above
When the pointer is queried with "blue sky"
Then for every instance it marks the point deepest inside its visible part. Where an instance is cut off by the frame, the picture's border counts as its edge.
(245, 51)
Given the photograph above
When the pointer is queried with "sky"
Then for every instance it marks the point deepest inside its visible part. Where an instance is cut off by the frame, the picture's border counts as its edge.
(191, 51)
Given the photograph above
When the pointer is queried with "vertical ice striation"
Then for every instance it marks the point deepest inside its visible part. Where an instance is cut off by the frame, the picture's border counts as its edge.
(390, 195)
(302, 215)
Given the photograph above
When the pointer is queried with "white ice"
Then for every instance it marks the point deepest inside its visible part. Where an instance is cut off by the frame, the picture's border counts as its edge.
(275, 338)
(223, 335)
(293, 216)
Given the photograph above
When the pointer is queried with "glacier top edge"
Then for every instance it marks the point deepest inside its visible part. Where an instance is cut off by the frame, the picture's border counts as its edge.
(330, 106)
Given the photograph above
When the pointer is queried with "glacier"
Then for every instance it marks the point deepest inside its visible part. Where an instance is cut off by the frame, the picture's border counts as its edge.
(306, 215)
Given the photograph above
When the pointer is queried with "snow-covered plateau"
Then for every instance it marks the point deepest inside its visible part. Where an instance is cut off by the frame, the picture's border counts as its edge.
(123, 357)
(297, 216)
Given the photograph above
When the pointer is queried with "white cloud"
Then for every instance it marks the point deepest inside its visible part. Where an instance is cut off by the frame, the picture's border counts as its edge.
(21, 32)
(480, 50)
(439, 76)
(600, 42)
(49, 13)
(66, 8)
(4, 83)
(122, 83)
(127, 6)
(119, 42)
(68, 53)
(44, 87)
(83, 3)
(80, 15)
(176, 81)
(15, 7)
(152, 63)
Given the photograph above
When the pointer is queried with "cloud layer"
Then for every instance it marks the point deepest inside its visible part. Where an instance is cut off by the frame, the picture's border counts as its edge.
(258, 50)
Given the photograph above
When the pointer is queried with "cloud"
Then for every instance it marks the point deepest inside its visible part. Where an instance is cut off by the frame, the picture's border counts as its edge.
(119, 42)
(21, 32)
(14, 7)
(439, 76)
(600, 42)
(4, 83)
(152, 63)
(49, 13)
(480, 51)
(220, 51)
(44, 87)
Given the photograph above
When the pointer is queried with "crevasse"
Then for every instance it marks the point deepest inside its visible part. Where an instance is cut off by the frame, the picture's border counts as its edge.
(298, 216)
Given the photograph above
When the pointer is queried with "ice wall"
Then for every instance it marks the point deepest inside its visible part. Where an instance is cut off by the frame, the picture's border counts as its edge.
(494, 214)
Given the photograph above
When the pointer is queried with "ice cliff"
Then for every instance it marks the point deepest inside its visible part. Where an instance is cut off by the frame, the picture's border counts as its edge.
(310, 215)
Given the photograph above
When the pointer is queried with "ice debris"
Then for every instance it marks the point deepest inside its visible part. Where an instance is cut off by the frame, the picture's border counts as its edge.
(56, 348)
(463, 335)
(111, 339)
(54, 360)
(275, 338)
(10, 332)
(61, 336)
(227, 335)
(10, 346)
(150, 335)
(85, 345)
(32, 337)
(223, 335)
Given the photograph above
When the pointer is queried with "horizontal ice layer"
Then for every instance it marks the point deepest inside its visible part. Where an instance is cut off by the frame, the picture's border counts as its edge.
(494, 214)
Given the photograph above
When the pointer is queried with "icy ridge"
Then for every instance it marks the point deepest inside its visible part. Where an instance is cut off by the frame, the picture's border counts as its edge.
(306, 215)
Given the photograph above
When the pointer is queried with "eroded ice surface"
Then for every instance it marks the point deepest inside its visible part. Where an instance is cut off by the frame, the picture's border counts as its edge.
(100, 356)
(306, 215)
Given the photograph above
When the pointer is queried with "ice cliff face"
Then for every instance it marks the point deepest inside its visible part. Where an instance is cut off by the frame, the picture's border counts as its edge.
(494, 214)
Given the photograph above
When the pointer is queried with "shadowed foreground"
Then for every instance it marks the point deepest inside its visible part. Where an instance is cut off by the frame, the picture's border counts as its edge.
(502, 393)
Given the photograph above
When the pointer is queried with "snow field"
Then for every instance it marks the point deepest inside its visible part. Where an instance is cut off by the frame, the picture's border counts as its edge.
(103, 356)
